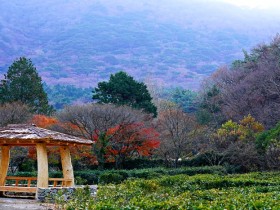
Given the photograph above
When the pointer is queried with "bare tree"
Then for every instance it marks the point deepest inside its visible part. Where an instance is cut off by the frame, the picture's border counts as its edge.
(90, 119)
(178, 131)
(215, 150)
(14, 113)
(251, 86)
(156, 90)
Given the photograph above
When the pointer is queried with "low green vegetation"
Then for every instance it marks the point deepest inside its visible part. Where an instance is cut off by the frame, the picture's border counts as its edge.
(117, 176)
(202, 191)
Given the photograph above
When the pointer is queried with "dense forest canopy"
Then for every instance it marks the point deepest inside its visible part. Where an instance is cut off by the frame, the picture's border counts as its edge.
(248, 86)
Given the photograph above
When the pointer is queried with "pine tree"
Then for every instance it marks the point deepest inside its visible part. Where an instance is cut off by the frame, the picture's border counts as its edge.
(122, 89)
(22, 83)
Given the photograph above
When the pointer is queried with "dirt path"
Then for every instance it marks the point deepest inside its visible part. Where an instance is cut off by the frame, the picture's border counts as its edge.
(18, 204)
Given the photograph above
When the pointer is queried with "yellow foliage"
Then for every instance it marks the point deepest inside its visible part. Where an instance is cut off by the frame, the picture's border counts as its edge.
(250, 123)
(246, 130)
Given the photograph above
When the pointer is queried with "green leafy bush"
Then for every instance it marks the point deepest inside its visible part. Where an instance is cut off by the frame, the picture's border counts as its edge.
(81, 200)
(92, 176)
(27, 165)
(116, 176)
(80, 181)
(202, 191)
(140, 163)
(25, 174)
(110, 177)
(264, 139)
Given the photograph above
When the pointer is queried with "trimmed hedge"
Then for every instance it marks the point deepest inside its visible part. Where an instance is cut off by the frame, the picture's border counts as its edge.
(137, 163)
(142, 163)
(117, 176)
(203, 191)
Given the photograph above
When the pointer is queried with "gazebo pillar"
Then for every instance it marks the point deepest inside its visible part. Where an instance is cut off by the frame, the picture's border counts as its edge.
(67, 167)
(43, 169)
(4, 163)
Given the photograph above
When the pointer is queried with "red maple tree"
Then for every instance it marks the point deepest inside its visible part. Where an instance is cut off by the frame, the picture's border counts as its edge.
(126, 141)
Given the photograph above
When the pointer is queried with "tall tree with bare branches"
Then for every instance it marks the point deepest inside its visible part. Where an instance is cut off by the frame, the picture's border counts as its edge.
(178, 130)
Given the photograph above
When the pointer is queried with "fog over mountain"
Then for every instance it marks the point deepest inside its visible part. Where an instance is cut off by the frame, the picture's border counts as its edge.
(174, 42)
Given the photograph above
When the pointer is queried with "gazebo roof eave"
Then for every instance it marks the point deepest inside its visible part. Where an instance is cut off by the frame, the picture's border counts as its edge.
(23, 134)
(32, 142)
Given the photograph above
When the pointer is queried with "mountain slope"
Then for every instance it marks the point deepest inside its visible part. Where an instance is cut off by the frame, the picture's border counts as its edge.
(171, 41)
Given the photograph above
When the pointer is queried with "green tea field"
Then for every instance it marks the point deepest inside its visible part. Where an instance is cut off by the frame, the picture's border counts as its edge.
(246, 191)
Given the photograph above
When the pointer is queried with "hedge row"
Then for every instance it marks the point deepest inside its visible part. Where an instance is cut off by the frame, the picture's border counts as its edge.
(137, 163)
(117, 176)
(142, 163)
(204, 191)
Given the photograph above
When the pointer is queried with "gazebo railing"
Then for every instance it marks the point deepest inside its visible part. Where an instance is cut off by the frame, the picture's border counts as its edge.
(59, 182)
(21, 181)
(19, 184)
(29, 184)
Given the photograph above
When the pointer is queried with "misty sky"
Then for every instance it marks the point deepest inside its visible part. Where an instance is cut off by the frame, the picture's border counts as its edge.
(261, 4)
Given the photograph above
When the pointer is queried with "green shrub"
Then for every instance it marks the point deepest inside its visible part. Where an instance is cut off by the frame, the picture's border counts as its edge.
(158, 172)
(91, 176)
(202, 191)
(116, 176)
(28, 166)
(263, 140)
(142, 163)
(80, 200)
(145, 174)
(80, 181)
(110, 177)
(25, 174)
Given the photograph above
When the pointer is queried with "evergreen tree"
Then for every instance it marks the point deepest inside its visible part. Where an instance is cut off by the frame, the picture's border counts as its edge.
(22, 83)
(186, 99)
(122, 89)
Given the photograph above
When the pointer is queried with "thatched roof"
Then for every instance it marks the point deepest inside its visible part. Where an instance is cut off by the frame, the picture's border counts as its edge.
(23, 134)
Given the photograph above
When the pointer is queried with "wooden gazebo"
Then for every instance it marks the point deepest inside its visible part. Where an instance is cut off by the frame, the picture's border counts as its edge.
(30, 135)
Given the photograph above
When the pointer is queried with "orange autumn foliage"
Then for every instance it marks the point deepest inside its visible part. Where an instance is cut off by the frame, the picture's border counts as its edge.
(43, 121)
(77, 152)
(126, 141)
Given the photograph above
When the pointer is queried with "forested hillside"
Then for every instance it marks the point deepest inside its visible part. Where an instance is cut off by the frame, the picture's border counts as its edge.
(82, 42)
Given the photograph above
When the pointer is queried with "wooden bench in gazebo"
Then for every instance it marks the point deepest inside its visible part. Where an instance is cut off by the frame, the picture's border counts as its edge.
(30, 135)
